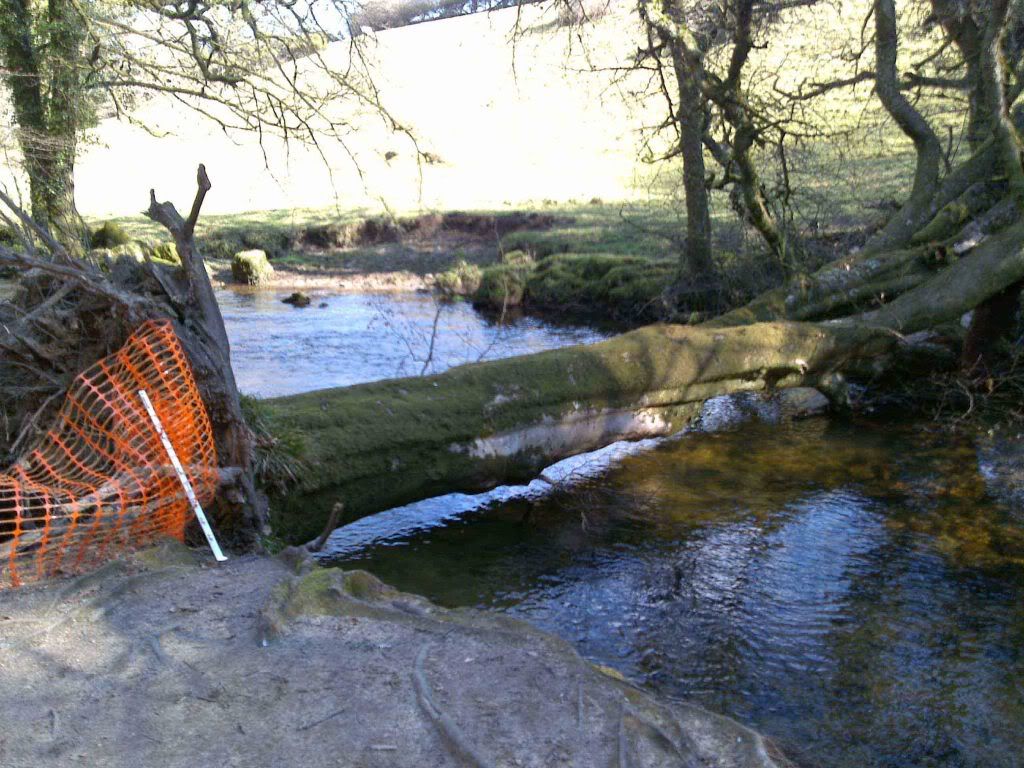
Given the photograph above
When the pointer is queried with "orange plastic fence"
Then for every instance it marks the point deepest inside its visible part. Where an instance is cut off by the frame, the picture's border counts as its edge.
(99, 482)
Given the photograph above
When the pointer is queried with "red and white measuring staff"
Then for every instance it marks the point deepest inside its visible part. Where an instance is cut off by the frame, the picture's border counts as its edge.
(189, 493)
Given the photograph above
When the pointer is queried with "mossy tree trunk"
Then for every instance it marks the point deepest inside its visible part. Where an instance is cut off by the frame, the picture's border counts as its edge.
(47, 100)
(378, 445)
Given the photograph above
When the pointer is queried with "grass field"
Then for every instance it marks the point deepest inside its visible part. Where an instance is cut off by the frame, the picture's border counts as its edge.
(540, 120)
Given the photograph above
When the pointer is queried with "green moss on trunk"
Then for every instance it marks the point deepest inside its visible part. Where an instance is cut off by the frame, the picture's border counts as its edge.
(377, 445)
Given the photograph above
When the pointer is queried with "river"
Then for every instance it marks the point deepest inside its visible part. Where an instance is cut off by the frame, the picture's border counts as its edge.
(852, 588)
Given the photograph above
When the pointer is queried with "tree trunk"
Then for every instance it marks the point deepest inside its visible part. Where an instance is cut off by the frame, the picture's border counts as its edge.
(697, 258)
(47, 119)
(993, 321)
(201, 329)
(916, 211)
(378, 445)
(955, 18)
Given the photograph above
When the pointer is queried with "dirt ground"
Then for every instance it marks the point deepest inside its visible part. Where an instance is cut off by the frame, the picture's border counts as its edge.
(169, 660)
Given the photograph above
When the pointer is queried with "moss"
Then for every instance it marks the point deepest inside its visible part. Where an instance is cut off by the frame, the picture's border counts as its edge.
(251, 267)
(323, 592)
(365, 586)
(278, 450)
(166, 253)
(517, 258)
(461, 280)
(628, 287)
(130, 250)
(110, 235)
(297, 299)
(376, 446)
(945, 224)
(502, 286)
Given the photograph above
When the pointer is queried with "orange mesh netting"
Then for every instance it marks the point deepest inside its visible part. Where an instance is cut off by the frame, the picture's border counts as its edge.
(100, 482)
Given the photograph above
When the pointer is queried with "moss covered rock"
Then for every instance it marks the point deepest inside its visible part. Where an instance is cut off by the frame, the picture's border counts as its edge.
(131, 251)
(297, 299)
(110, 235)
(630, 287)
(502, 286)
(166, 253)
(251, 267)
(461, 280)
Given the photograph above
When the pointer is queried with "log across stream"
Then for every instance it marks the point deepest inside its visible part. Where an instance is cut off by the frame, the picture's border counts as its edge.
(378, 445)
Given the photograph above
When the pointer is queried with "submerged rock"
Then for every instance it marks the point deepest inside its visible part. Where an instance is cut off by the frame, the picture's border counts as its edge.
(251, 267)
(264, 662)
(801, 403)
(297, 299)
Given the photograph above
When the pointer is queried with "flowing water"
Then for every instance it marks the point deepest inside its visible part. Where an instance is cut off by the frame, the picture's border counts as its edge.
(853, 589)
(277, 349)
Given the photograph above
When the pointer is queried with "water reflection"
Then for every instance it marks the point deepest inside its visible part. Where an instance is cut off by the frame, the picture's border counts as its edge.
(277, 349)
(854, 590)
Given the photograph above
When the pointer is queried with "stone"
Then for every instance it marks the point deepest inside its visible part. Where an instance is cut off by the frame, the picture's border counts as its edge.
(251, 267)
(297, 299)
(801, 403)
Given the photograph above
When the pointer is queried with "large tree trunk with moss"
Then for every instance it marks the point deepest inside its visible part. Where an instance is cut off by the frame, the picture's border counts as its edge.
(378, 445)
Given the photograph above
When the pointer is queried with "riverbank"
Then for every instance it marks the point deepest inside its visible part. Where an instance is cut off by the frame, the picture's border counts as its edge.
(268, 662)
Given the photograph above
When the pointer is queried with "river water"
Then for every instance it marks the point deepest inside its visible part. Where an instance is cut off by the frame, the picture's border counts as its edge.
(277, 349)
(853, 589)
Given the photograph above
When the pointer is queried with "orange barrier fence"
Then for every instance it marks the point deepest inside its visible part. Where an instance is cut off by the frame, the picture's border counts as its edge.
(99, 481)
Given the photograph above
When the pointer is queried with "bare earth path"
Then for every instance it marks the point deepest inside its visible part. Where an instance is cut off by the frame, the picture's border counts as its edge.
(169, 661)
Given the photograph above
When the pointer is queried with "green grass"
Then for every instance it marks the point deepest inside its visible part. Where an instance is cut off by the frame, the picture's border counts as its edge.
(550, 134)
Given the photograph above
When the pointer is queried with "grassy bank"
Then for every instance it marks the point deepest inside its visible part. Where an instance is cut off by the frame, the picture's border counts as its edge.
(539, 122)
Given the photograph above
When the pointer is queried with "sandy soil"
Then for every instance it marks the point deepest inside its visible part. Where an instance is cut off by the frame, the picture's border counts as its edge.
(167, 660)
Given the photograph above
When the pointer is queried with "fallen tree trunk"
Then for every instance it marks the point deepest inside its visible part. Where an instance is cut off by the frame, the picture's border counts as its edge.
(378, 445)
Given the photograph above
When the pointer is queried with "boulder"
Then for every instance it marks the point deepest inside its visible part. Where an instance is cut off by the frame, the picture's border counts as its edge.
(297, 299)
(251, 267)
(801, 403)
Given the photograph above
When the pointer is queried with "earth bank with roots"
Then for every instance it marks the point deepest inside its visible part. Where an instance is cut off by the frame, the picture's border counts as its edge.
(168, 660)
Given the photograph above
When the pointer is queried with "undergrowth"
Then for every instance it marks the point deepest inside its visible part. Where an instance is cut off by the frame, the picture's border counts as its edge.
(278, 452)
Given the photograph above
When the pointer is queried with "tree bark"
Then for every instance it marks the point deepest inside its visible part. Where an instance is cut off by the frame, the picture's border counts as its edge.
(47, 118)
(688, 67)
(752, 203)
(918, 208)
(959, 25)
(203, 334)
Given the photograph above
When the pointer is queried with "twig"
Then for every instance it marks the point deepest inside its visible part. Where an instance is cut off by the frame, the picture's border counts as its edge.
(323, 719)
(55, 248)
(332, 522)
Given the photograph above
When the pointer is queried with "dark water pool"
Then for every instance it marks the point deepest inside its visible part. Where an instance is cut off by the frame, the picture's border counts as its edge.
(853, 590)
(277, 349)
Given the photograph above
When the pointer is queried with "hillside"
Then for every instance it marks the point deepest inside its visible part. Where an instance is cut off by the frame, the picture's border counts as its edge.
(514, 121)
